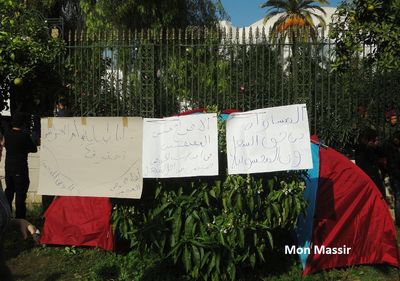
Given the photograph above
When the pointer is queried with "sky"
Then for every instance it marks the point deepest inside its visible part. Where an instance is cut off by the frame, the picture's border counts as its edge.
(245, 12)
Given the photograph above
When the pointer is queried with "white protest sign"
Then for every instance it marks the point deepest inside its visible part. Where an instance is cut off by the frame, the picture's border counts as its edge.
(267, 140)
(183, 146)
(94, 156)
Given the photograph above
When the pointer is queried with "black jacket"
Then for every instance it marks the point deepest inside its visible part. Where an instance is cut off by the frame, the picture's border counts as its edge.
(18, 144)
(392, 154)
(367, 159)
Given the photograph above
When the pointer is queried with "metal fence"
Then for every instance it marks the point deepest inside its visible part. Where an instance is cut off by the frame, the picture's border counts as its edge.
(153, 73)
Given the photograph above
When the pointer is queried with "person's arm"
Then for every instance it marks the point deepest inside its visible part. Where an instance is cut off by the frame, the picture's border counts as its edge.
(30, 145)
(25, 227)
(1, 145)
(393, 162)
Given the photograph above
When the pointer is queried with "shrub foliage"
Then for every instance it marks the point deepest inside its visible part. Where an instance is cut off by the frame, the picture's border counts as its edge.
(214, 229)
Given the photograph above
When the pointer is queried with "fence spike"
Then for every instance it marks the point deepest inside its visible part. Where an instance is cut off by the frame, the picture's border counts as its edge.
(263, 34)
(237, 34)
(142, 34)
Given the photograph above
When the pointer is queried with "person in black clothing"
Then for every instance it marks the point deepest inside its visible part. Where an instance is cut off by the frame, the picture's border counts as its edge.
(18, 144)
(392, 152)
(25, 227)
(62, 109)
(369, 158)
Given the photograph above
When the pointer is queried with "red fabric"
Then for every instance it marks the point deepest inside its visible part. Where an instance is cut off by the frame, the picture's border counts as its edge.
(350, 211)
(193, 111)
(229, 111)
(79, 221)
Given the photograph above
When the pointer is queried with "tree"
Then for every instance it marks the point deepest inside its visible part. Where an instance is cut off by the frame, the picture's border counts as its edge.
(368, 22)
(27, 52)
(295, 20)
(138, 14)
(69, 11)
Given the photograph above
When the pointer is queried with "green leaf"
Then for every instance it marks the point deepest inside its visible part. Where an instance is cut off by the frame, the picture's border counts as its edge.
(252, 261)
(160, 209)
(218, 263)
(271, 183)
(229, 199)
(241, 237)
(211, 265)
(206, 199)
(255, 239)
(201, 253)
(232, 271)
(196, 256)
(270, 239)
(239, 202)
(275, 207)
(268, 215)
(221, 238)
(194, 229)
(204, 215)
(196, 215)
(205, 259)
(177, 224)
(212, 193)
(224, 203)
(251, 203)
(187, 259)
(217, 188)
(158, 192)
(189, 226)
(286, 210)
(260, 254)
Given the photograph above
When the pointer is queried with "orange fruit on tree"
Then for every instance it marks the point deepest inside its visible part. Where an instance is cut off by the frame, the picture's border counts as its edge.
(18, 81)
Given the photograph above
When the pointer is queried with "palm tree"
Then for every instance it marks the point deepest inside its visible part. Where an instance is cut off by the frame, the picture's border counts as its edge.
(295, 20)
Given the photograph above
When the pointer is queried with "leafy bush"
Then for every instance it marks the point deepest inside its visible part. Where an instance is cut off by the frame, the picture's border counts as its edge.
(215, 231)
(213, 228)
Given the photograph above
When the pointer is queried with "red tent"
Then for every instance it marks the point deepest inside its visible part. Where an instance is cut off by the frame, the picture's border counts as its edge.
(350, 211)
(79, 221)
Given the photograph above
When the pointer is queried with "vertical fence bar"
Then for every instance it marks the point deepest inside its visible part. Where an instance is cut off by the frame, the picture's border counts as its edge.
(249, 52)
(231, 58)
